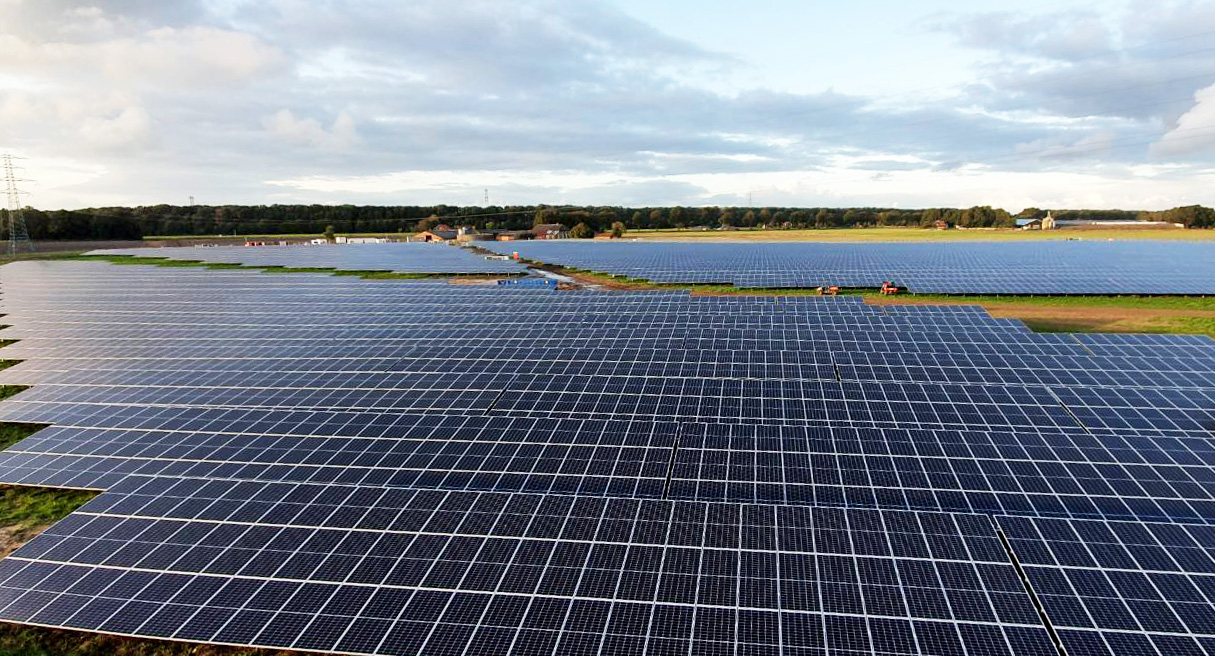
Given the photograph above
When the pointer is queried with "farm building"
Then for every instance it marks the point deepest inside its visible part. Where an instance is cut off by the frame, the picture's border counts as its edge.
(435, 235)
(550, 231)
(1046, 223)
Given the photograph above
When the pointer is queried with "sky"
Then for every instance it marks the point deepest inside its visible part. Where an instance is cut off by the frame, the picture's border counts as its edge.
(945, 103)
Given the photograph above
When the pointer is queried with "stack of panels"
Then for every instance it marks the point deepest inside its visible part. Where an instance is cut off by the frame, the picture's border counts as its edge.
(1038, 267)
(401, 258)
(389, 467)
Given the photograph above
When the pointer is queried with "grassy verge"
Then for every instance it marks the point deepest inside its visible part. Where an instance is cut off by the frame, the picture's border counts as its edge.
(1079, 322)
(61, 255)
(1087, 314)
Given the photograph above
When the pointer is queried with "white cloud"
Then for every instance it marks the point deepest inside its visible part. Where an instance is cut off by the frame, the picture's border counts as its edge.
(165, 56)
(190, 56)
(128, 129)
(1195, 130)
(1064, 148)
(82, 123)
(285, 127)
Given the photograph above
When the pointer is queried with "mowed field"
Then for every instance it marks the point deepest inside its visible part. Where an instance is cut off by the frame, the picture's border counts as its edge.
(920, 234)
(1087, 314)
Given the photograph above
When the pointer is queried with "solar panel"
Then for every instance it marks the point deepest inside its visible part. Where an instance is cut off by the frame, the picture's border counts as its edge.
(415, 467)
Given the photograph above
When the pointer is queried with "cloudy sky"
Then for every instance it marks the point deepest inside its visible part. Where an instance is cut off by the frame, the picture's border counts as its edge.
(625, 102)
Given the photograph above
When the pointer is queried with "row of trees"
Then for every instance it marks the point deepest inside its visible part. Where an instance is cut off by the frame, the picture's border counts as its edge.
(1192, 216)
(137, 222)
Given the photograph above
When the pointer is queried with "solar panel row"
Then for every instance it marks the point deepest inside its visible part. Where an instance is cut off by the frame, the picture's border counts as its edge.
(1036, 267)
(399, 257)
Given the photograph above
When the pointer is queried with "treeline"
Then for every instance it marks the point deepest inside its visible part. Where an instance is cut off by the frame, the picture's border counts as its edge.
(202, 220)
(1192, 216)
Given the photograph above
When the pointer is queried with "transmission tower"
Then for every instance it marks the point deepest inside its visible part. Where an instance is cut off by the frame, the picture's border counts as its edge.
(18, 236)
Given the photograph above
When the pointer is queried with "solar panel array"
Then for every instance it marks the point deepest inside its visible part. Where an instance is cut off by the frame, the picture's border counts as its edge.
(1034, 267)
(412, 467)
(407, 257)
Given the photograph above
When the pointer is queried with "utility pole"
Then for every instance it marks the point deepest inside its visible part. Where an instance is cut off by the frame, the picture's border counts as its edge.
(18, 236)
(486, 198)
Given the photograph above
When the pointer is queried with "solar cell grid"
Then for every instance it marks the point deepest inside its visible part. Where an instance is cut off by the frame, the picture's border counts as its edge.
(269, 561)
(1110, 585)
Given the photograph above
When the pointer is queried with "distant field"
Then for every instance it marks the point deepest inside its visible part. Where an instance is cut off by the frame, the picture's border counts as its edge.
(919, 234)
(1086, 314)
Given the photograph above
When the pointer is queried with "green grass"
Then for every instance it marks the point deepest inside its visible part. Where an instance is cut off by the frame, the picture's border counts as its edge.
(9, 390)
(1158, 325)
(12, 433)
(59, 255)
(1191, 303)
(30, 508)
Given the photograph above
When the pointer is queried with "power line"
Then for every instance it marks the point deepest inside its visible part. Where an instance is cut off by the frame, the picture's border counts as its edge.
(18, 235)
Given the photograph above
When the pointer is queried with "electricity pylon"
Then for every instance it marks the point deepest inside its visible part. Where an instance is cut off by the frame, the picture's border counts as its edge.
(18, 235)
